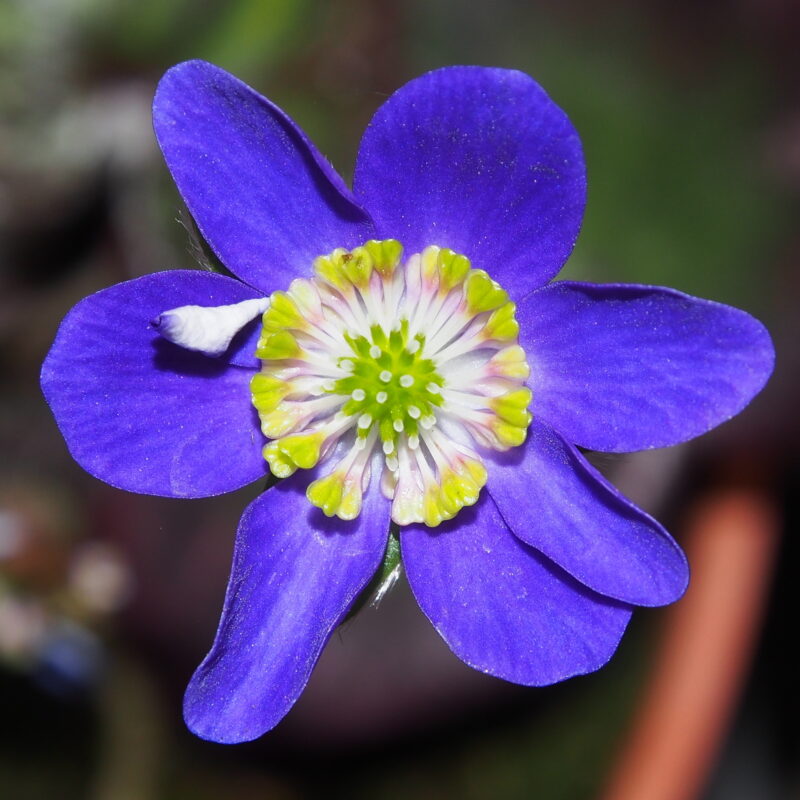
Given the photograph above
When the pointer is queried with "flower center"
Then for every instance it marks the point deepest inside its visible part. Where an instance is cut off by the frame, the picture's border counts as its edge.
(391, 385)
(391, 367)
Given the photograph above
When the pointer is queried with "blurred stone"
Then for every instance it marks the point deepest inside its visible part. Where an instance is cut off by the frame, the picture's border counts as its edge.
(99, 578)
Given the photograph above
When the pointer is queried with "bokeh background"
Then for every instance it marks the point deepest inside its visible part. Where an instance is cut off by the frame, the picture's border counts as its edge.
(690, 118)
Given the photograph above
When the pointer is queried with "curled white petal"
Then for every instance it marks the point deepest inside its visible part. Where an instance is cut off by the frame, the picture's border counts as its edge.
(208, 329)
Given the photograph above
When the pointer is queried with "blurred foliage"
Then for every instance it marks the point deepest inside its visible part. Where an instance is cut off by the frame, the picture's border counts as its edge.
(560, 753)
(245, 35)
(679, 193)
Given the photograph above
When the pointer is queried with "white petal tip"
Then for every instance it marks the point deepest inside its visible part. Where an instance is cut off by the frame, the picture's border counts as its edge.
(207, 330)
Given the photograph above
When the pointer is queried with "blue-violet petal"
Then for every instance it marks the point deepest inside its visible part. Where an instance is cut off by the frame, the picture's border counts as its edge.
(142, 413)
(481, 161)
(552, 499)
(502, 607)
(295, 575)
(262, 195)
(624, 367)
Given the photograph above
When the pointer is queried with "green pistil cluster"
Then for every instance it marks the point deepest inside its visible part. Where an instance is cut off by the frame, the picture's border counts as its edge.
(390, 384)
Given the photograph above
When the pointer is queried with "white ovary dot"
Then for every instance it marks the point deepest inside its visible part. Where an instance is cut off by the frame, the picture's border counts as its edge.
(385, 376)
(364, 421)
(381, 397)
(406, 381)
(358, 395)
(375, 351)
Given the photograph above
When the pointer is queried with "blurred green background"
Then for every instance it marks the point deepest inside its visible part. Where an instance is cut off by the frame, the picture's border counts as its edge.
(690, 119)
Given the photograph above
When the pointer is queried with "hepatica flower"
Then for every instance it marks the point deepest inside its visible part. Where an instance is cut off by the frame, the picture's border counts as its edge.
(397, 352)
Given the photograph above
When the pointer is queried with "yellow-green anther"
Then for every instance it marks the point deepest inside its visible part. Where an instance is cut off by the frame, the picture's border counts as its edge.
(358, 267)
(278, 345)
(508, 435)
(477, 472)
(336, 496)
(513, 407)
(282, 419)
(302, 449)
(326, 493)
(329, 269)
(306, 296)
(510, 362)
(461, 489)
(279, 464)
(453, 269)
(431, 508)
(482, 293)
(449, 502)
(385, 255)
(283, 313)
(268, 391)
(430, 262)
(502, 326)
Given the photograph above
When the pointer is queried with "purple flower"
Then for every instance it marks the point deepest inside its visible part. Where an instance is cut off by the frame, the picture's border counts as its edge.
(416, 377)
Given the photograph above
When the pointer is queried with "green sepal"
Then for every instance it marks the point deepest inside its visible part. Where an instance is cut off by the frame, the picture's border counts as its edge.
(199, 249)
(384, 579)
